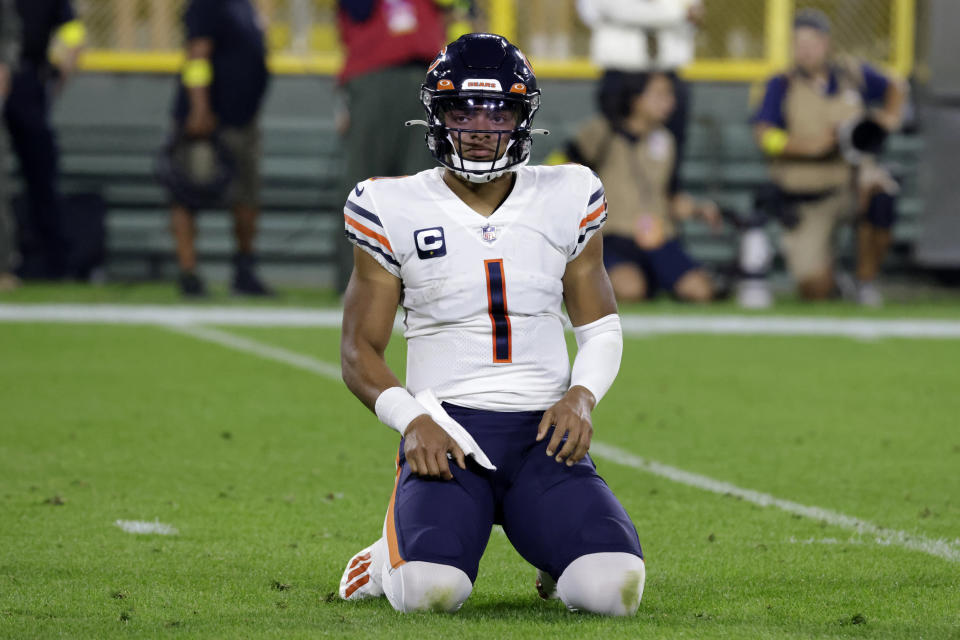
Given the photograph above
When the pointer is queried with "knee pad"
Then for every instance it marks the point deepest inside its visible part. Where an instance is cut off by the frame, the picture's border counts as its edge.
(425, 586)
(881, 211)
(605, 583)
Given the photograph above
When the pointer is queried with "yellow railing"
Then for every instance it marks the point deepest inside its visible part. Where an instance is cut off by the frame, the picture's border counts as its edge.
(502, 17)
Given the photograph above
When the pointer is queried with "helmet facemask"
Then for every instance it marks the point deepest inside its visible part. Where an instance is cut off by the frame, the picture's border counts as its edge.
(479, 137)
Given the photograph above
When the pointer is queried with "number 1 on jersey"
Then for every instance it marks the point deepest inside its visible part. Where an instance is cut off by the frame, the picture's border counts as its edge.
(497, 305)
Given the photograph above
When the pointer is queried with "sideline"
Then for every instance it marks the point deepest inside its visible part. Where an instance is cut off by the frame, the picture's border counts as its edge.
(882, 536)
(633, 325)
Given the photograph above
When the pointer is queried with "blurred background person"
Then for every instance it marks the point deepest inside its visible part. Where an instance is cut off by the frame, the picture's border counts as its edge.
(635, 155)
(388, 45)
(27, 114)
(629, 37)
(9, 55)
(815, 187)
(551, 27)
(222, 87)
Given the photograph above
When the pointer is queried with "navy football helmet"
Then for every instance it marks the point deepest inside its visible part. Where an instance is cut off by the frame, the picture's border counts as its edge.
(480, 72)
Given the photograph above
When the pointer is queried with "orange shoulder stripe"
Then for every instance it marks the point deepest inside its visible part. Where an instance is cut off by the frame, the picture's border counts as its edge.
(370, 233)
(596, 213)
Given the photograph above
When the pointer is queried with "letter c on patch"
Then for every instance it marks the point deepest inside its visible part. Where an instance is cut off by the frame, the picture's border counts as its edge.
(430, 243)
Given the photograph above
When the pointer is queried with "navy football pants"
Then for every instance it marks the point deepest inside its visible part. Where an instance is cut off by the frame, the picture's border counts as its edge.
(552, 513)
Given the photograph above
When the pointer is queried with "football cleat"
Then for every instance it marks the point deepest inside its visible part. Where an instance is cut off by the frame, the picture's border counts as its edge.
(361, 578)
(546, 586)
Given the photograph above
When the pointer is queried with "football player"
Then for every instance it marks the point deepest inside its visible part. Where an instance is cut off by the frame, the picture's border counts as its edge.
(481, 253)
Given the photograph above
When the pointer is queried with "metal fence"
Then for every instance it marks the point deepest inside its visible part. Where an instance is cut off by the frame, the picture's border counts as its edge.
(742, 40)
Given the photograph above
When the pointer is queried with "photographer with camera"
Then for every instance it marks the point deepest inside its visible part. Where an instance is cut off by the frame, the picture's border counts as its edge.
(821, 138)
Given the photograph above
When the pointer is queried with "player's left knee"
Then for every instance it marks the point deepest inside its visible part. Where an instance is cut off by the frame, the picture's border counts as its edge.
(882, 210)
(605, 583)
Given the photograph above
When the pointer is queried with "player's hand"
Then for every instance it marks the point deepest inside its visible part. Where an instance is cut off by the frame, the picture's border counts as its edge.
(889, 120)
(201, 123)
(709, 212)
(426, 445)
(571, 417)
(683, 206)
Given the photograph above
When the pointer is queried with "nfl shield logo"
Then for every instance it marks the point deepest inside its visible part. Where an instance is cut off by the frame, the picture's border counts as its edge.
(489, 233)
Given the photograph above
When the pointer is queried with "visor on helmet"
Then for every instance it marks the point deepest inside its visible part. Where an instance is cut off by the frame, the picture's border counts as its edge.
(477, 114)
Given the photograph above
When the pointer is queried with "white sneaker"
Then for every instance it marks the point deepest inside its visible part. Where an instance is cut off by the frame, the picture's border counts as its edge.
(546, 586)
(362, 577)
(869, 295)
(754, 294)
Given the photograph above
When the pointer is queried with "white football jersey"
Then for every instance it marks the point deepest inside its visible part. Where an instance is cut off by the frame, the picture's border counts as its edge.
(482, 295)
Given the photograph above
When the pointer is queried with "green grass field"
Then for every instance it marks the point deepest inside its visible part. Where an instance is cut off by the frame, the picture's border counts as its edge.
(274, 476)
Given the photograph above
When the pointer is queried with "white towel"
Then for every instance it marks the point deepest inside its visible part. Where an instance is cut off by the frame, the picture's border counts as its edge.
(453, 428)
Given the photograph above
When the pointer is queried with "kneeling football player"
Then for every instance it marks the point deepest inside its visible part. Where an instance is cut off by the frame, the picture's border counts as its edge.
(481, 252)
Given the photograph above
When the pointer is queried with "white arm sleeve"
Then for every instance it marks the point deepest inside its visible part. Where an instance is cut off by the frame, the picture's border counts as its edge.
(396, 408)
(599, 350)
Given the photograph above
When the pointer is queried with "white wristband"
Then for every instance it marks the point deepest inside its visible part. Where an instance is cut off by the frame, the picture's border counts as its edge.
(599, 349)
(396, 408)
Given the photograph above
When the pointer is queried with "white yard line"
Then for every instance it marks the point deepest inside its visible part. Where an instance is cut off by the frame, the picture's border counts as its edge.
(882, 536)
(168, 315)
(633, 324)
(791, 326)
(143, 527)
(239, 343)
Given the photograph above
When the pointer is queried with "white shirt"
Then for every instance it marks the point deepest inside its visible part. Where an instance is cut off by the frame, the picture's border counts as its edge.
(482, 295)
(620, 29)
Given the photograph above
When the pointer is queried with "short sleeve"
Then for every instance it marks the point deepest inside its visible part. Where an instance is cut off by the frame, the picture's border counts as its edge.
(364, 228)
(65, 12)
(593, 216)
(771, 108)
(200, 19)
(875, 84)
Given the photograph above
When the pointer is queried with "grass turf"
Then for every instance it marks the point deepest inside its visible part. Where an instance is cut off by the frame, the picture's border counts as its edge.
(938, 304)
(275, 476)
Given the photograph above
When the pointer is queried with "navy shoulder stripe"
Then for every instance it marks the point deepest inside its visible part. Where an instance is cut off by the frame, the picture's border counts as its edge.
(596, 194)
(593, 228)
(358, 240)
(363, 213)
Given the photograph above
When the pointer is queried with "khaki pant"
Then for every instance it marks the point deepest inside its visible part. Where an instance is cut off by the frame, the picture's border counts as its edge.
(808, 247)
(244, 144)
